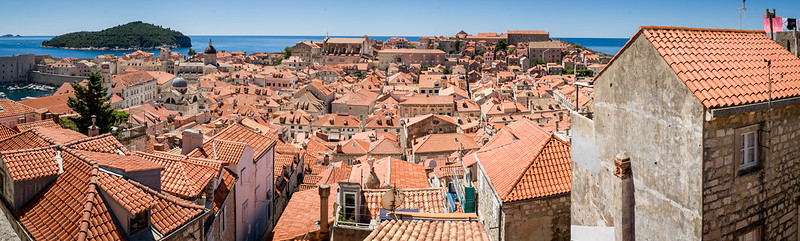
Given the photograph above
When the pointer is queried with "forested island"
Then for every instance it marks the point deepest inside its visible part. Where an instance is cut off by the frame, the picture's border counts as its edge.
(130, 36)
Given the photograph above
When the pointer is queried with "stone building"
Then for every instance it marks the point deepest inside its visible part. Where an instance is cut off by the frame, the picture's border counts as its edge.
(407, 57)
(357, 103)
(308, 51)
(523, 36)
(709, 156)
(411, 106)
(16, 68)
(549, 51)
(345, 50)
(523, 184)
(135, 87)
(339, 126)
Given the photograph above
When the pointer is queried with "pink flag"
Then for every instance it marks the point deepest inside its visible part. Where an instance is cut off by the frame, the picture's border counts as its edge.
(777, 24)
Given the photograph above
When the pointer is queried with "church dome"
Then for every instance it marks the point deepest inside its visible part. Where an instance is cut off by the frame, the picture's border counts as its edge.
(210, 49)
(179, 83)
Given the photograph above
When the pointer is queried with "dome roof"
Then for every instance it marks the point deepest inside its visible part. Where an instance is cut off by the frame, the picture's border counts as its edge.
(179, 83)
(210, 49)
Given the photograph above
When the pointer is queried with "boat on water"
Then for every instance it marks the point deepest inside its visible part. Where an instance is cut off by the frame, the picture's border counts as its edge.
(3, 95)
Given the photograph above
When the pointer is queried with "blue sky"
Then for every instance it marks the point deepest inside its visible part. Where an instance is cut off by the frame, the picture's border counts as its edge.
(580, 18)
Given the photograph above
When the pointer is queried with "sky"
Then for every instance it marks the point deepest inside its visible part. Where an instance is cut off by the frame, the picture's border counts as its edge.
(577, 18)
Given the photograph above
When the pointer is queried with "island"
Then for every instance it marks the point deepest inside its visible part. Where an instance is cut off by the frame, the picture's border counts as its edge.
(131, 36)
(10, 36)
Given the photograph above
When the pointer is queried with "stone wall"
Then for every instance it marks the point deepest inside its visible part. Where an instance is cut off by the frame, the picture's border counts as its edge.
(643, 108)
(52, 79)
(766, 198)
(346, 233)
(540, 219)
(226, 217)
(14, 69)
(190, 231)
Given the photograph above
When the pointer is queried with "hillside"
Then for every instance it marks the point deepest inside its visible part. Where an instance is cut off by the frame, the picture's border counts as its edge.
(134, 35)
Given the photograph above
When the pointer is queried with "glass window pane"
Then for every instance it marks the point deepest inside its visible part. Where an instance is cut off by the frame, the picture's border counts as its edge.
(350, 200)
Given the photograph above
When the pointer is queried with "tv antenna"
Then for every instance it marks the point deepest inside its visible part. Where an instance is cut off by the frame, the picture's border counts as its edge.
(742, 11)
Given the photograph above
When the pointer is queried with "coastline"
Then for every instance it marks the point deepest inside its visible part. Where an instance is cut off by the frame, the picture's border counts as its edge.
(599, 54)
(170, 46)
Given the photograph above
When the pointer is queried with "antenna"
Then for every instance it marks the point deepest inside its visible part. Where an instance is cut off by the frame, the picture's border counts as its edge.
(742, 11)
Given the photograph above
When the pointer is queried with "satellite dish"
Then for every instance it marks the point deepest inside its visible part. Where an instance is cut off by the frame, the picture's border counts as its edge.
(432, 164)
(392, 199)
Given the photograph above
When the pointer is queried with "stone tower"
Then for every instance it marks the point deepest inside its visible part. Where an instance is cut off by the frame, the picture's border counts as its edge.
(210, 55)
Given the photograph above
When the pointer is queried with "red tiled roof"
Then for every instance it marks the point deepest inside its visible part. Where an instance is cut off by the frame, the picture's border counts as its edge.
(123, 163)
(725, 67)
(228, 178)
(125, 193)
(39, 137)
(6, 132)
(428, 230)
(301, 214)
(532, 164)
(181, 177)
(426, 200)
(41, 123)
(444, 142)
(394, 172)
(105, 143)
(13, 108)
(228, 144)
(169, 212)
(31, 163)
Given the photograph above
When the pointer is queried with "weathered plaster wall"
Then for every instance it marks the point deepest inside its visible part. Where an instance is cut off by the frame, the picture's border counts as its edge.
(643, 108)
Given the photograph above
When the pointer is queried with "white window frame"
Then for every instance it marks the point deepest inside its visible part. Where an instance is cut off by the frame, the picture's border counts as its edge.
(748, 150)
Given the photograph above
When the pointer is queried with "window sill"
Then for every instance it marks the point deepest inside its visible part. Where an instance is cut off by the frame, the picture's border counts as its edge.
(748, 170)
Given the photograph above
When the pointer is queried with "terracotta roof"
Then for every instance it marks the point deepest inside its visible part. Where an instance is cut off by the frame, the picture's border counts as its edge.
(428, 230)
(13, 108)
(180, 176)
(394, 172)
(357, 98)
(417, 119)
(301, 214)
(410, 51)
(724, 67)
(337, 120)
(56, 103)
(170, 213)
(525, 162)
(228, 178)
(125, 193)
(426, 200)
(105, 143)
(6, 132)
(39, 137)
(427, 100)
(41, 123)
(124, 163)
(31, 163)
(131, 78)
(228, 144)
(444, 142)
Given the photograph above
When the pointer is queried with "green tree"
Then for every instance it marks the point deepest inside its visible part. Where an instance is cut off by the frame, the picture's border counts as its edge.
(538, 61)
(191, 52)
(569, 70)
(447, 71)
(457, 45)
(287, 52)
(585, 72)
(92, 100)
(500, 46)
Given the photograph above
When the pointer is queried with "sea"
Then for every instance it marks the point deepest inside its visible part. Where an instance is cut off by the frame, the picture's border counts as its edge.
(250, 44)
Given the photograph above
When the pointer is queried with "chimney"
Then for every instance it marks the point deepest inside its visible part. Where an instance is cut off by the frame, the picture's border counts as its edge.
(56, 119)
(627, 209)
(191, 139)
(326, 159)
(93, 130)
(324, 192)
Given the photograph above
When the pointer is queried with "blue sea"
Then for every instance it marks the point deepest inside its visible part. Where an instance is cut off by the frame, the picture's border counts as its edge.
(250, 44)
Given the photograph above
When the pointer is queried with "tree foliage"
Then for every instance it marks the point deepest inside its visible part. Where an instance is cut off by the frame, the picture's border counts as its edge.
(131, 35)
(191, 52)
(501, 45)
(93, 100)
(538, 61)
(287, 52)
(457, 46)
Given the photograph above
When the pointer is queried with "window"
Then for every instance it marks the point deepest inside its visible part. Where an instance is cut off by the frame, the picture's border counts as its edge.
(746, 151)
(750, 235)
(244, 211)
(223, 222)
(349, 211)
(138, 222)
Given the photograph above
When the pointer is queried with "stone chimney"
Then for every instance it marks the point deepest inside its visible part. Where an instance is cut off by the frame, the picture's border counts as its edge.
(192, 139)
(372, 181)
(326, 160)
(627, 201)
(93, 130)
(324, 192)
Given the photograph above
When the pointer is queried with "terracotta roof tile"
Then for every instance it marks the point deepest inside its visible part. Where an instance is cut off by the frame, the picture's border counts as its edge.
(394, 172)
(105, 143)
(12, 108)
(428, 230)
(180, 176)
(6, 132)
(725, 67)
(41, 123)
(170, 212)
(444, 142)
(301, 214)
(228, 144)
(228, 178)
(531, 164)
(125, 163)
(39, 137)
(426, 200)
(33, 163)
(125, 193)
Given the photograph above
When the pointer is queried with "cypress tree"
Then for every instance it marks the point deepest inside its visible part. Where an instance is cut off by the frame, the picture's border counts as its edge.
(92, 100)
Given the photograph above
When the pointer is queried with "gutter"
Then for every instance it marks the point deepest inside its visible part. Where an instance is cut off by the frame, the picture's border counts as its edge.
(740, 109)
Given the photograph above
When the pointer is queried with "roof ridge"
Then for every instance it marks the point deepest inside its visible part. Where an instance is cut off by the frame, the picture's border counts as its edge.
(176, 200)
(651, 27)
(15, 151)
(91, 138)
(83, 228)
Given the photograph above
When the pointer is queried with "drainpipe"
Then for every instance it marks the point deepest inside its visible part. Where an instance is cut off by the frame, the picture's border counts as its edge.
(623, 171)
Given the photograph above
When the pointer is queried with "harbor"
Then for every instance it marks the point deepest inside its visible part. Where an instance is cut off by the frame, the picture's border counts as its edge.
(25, 91)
